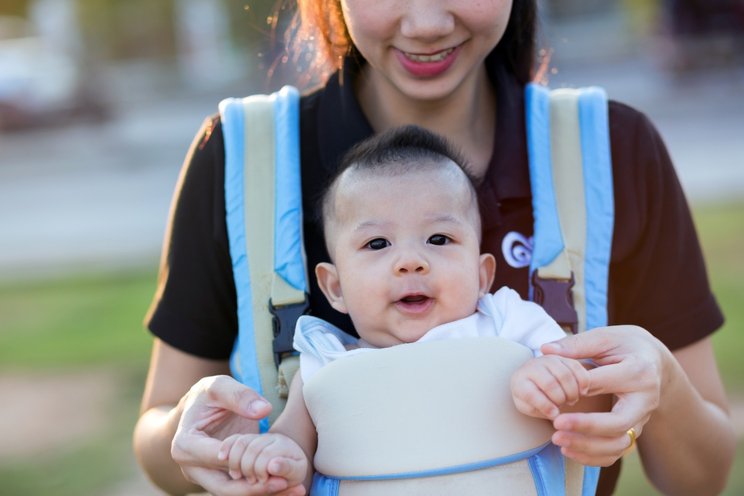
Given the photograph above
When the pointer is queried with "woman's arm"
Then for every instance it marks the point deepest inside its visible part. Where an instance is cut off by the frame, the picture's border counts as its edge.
(181, 398)
(688, 444)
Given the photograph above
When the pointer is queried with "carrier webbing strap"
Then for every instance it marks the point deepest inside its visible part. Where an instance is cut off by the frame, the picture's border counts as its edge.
(573, 205)
(264, 223)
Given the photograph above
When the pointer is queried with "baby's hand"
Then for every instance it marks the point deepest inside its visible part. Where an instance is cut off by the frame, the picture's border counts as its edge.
(544, 384)
(272, 462)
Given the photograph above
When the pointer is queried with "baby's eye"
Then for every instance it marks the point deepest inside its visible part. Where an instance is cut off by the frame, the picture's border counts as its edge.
(439, 239)
(377, 244)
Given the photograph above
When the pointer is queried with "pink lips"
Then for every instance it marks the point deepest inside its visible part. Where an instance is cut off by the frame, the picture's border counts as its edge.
(427, 68)
(414, 304)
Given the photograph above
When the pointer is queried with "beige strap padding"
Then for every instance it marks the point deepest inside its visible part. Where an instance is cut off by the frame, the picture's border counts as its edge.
(259, 233)
(568, 184)
(420, 406)
(283, 293)
(287, 370)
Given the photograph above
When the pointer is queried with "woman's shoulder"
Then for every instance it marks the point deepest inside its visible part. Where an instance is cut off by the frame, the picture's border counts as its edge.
(207, 147)
(639, 154)
(624, 118)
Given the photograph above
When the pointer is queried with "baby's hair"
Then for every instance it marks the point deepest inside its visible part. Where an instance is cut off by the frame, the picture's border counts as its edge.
(395, 152)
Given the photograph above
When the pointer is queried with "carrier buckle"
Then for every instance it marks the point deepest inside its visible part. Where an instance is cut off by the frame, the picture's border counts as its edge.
(284, 321)
(555, 296)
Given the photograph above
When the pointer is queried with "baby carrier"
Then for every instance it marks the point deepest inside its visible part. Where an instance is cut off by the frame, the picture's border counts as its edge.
(571, 181)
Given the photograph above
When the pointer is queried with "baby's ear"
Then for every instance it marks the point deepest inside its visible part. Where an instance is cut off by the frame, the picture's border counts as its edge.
(330, 285)
(487, 272)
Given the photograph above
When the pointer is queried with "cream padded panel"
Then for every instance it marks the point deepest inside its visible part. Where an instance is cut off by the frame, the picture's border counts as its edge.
(419, 407)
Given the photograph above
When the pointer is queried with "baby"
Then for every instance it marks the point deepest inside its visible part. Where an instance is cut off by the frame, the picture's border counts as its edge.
(402, 228)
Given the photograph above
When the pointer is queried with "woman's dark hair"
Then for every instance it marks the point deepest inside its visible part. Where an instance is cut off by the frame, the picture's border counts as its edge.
(319, 24)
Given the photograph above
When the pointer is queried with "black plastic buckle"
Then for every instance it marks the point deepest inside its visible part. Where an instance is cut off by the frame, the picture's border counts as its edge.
(284, 321)
(555, 296)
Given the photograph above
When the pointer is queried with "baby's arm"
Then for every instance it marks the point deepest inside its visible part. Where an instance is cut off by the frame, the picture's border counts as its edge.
(547, 385)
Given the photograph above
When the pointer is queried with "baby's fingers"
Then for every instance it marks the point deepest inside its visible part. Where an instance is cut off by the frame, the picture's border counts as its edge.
(531, 400)
(572, 378)
(242, 456)
(291, 469)
(226, 446)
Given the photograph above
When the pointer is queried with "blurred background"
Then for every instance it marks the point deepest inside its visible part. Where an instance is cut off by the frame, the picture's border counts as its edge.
(99, 101)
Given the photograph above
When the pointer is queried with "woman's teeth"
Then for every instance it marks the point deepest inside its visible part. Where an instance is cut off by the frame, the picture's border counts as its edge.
(437, 57)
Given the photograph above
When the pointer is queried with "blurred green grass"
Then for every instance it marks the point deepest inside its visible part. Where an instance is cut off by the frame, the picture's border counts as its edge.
(80, 320)
(95, 320)
(85, 322)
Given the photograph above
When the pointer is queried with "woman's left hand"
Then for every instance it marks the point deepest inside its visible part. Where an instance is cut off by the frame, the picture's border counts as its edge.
(632, 366)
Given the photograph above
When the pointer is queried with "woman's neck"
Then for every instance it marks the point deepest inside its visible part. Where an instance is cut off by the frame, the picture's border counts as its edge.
(467, 117)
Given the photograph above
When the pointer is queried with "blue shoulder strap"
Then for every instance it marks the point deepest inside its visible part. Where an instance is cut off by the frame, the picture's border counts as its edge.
(559, 168)
(573, 207)
(263, 202)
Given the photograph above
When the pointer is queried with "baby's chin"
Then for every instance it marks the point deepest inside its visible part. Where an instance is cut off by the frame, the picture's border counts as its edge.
(389, 340)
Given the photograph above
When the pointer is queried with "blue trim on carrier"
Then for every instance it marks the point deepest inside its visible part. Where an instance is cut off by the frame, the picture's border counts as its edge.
(600, 202)
(243, 361)
(289, 259)
(545, 462)
(548, 240)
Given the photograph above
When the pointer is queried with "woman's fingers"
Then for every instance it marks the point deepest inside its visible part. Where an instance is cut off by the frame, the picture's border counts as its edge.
(631, 375)
(604, 345)
(195, 449)
(597, 439)
(594, 423)
(219, 483)
(594, 451)
(210, 409)
(225, 392)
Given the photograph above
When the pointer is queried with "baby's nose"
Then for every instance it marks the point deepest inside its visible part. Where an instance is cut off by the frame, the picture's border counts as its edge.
(412, 264)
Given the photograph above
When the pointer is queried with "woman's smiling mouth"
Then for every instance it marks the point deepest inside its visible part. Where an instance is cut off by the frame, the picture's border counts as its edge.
(435, 57)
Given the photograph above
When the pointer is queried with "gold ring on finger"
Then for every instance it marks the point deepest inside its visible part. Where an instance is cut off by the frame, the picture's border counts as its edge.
(633, 436)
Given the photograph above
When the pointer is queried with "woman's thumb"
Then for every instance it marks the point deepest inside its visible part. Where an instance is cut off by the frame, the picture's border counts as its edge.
(226, 392)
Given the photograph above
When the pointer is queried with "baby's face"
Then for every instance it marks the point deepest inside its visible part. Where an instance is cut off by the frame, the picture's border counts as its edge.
(407, 254)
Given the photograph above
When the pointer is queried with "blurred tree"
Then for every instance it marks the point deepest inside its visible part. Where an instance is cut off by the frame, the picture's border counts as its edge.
(131, 29)
(14, 7)
(259, 29)
(567, 8)
(643, 15)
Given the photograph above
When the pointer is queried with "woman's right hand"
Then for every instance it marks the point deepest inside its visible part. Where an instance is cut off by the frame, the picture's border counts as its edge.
(213, 409)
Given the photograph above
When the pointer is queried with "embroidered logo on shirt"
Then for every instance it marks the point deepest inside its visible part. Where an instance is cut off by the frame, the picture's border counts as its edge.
(517, 249)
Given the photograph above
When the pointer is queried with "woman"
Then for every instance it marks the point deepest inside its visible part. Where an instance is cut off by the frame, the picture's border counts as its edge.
(457, 67)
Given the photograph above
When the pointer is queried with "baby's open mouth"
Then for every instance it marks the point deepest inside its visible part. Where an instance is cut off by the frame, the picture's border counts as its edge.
(414, 299)
(415, 303)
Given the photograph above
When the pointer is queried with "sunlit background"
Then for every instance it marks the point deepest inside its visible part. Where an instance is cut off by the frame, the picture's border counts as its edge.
(99, 101)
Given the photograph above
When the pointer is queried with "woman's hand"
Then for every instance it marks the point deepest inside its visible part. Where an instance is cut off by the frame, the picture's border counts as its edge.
(213, 409)
(632, 365)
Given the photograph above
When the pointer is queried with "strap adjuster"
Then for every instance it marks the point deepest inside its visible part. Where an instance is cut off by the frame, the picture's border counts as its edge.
(555, 296)
(284, 321)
